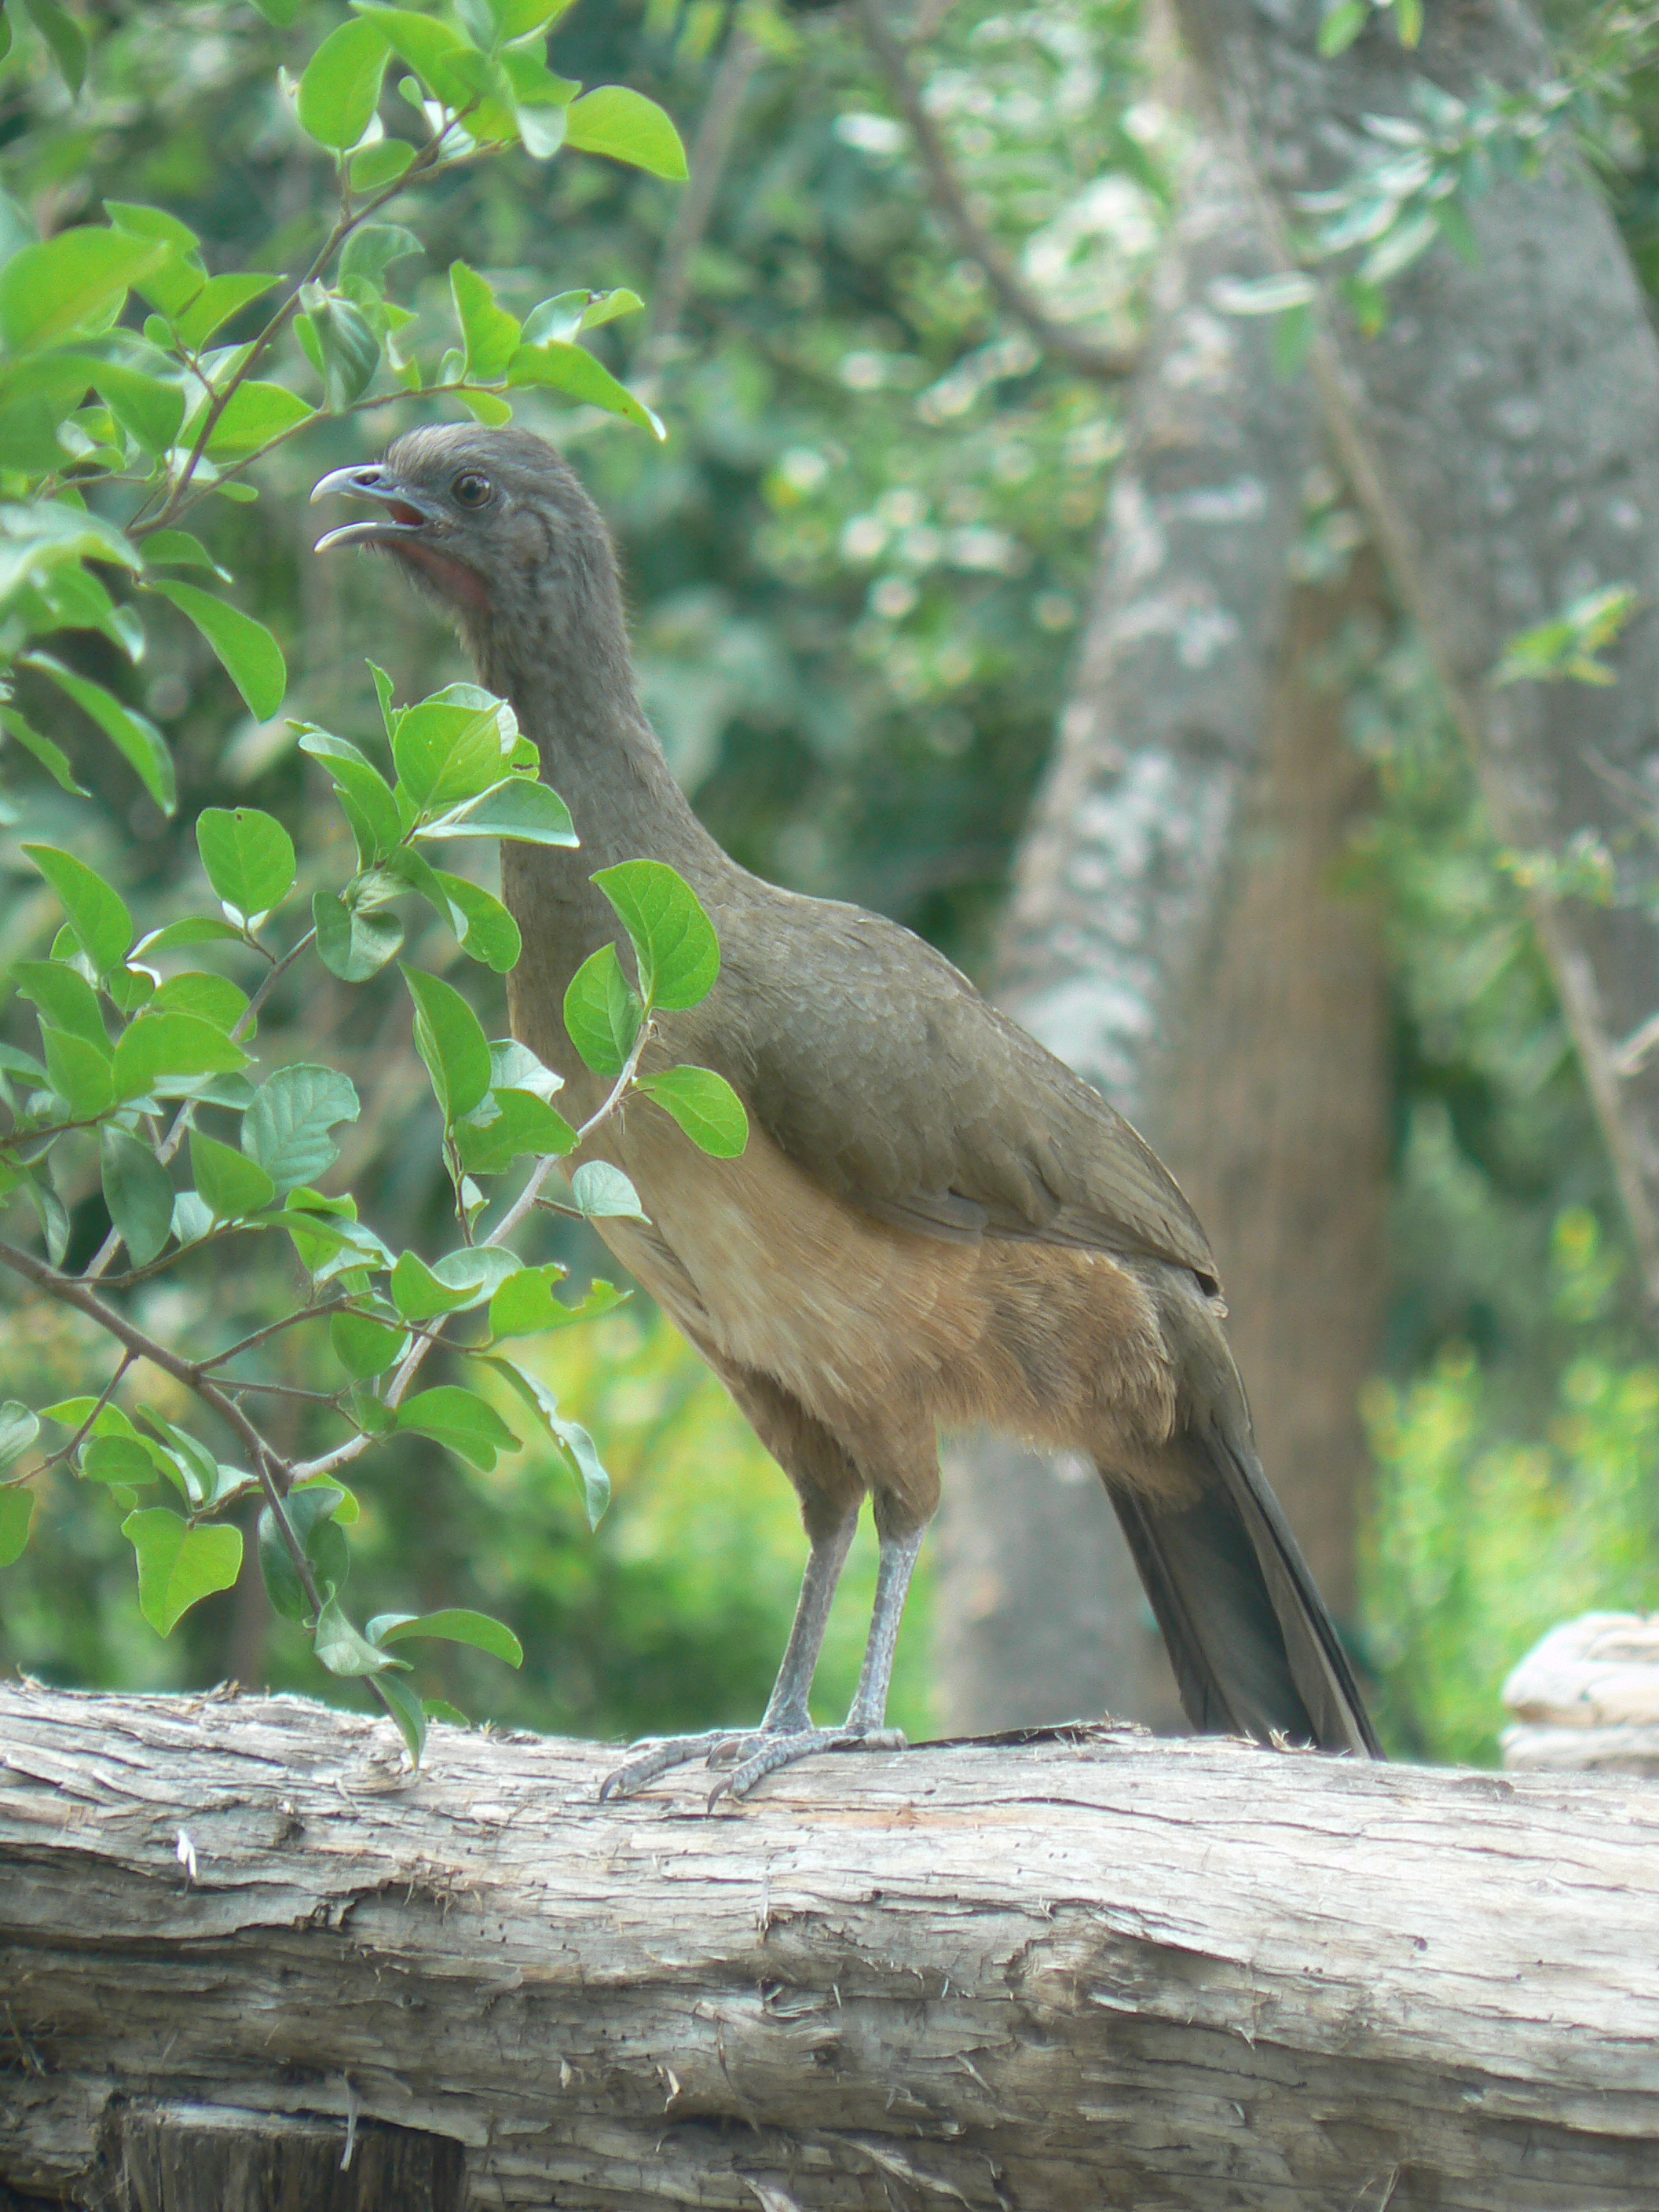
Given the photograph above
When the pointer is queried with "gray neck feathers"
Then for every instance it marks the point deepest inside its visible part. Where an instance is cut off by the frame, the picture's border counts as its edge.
(554, 642)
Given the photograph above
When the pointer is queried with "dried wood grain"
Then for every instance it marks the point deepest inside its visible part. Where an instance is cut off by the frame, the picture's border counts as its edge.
(1103, 1971)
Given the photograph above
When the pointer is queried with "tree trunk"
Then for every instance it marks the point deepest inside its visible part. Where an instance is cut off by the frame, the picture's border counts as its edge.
(1175, 935)
(1503, 432)
(1096, 1971)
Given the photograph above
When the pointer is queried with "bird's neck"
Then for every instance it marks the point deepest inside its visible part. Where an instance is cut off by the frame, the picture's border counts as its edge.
(575, 698)
(571, 684)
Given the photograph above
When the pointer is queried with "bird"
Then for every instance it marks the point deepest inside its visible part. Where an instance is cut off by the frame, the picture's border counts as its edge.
(935, 1224)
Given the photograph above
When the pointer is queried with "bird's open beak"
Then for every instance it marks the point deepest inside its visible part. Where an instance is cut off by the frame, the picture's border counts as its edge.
(407, 514)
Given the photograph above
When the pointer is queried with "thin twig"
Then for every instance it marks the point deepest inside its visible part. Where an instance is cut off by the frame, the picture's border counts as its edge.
(711, 149)
(1106, 363)
(271, 1328)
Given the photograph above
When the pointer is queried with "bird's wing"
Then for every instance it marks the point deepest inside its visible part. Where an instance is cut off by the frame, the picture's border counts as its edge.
(896, 1086)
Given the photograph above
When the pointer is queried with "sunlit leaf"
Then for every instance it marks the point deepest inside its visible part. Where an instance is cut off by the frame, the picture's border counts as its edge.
(623, 123)
(342, 1648)
(604, 1192)
(97, 915)
(286, 1129)
(571, 369)
(450, 1039)
(249, 858)
(229, 1184)
(461, 1421)
(673, 939)
(77, 281)
(219, 299)
(353, 943)
(602, 1012)
(255, 415)
(17, 1513)
(18, 1428)
(706, 1107)
(167, 1044)
(517, 808)
(179, 1565)
(522, 1126)
(341, 86)
(488, 333)
(456, 1625)
(460, 1280)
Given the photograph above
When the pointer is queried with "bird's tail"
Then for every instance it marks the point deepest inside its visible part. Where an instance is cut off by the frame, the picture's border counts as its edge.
(1255, 1650)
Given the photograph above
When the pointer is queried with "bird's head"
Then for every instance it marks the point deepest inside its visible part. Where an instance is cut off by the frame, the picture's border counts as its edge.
(496, 525)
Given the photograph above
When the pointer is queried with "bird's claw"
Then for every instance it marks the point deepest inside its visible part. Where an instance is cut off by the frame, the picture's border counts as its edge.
(778, 1751)
(752, 1755)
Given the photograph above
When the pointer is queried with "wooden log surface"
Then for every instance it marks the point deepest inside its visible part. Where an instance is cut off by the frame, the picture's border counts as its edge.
(1088, 1971)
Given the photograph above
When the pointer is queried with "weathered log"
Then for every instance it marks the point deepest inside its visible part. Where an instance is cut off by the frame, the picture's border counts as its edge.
(1089, 1971)
(1588, 1696)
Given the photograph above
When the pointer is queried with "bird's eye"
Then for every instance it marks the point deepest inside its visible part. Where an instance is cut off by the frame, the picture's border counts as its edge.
(471, 490)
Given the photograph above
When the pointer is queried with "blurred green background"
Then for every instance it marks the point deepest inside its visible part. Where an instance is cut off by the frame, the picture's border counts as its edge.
(856, 571)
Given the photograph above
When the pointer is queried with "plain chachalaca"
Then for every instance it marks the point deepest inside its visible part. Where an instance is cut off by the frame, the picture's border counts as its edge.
(935, 1222)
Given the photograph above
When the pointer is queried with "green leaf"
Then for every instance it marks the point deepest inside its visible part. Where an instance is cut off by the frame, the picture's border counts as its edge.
(568, 314)
(457, 1281)
(706, 1107)
(249, 858)
(230, 1183)
(327, 1235)
(539, 102)
(448, 753)
(352, 943)
(366, 1347)
(522, 1126)
(251, 656)
(358, 779)
(517, 808)
(456, 1625)
(556, 366)
(461, 1421)
(137, 1193)
(17, 1512)
(131, 1462)
(286, 1129)
(342, 348)
(52, 758)
(341, 87)
(178, 548)
(604, 1192)
(488, 333)
(211, 998)
(313, 1512)
(284, 14)
(18, 1428)
(514, 1067)
(371, 250)
(196, 1465)
(611, 119)
(1342, 25)
(66, 38)
(574, 1446)
(63, 998)
(341, 1650)
(674, 941)
(255, 415)
(134, 736)
(178, 1564)
(450, 1039)
(409, 1713)
(77, 281)
(489, 933)
(526, 1304)
(79, 1073)
(168, 1044)
(430, 47)
(178, 936)
(602, 1012)
(380, 163)
(212, 308)
(150, 409)
(97, 915)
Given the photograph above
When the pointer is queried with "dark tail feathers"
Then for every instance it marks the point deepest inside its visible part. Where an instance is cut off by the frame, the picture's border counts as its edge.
(1253, 1649)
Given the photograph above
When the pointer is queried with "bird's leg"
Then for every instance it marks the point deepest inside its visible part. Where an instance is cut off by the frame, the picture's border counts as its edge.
(786, 1714)
(865, 1728)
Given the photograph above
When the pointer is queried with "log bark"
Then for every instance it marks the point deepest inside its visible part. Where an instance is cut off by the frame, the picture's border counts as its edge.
(1094, 1971)
(1503, 433)
(1176, 934)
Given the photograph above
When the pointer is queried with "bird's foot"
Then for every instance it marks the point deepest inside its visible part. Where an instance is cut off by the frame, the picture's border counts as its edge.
(767, 1754)
(752, 1754)
(655, 1757)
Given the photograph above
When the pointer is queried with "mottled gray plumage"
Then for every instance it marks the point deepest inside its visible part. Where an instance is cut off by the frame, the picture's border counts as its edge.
(935, 1221)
